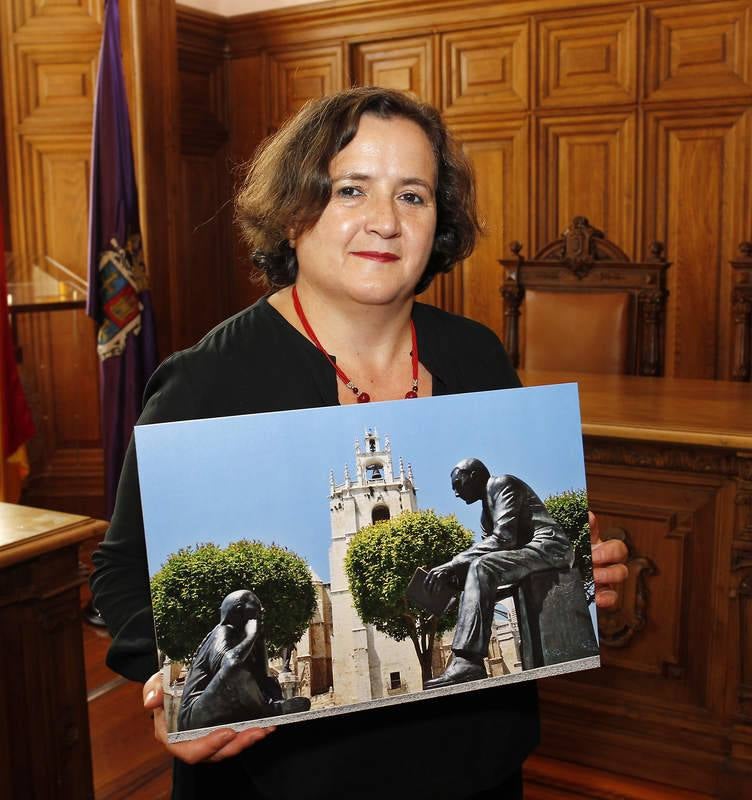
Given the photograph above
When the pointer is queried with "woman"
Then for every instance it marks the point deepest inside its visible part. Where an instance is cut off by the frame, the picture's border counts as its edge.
(349, 210)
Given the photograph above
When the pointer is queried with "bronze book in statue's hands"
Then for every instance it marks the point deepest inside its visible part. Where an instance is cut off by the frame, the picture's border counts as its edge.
(436, 602)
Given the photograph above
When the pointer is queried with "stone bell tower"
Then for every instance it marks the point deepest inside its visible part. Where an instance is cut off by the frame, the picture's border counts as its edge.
(364, 661)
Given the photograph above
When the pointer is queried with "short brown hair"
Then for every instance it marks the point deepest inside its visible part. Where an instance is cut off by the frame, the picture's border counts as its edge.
(287, 185)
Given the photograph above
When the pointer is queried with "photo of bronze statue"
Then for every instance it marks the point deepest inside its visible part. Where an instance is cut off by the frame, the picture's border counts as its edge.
(525, 553)
(229, 679)
(362, 560)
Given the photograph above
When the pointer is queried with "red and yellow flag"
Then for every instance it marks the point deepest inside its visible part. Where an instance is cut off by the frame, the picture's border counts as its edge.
(16, 424)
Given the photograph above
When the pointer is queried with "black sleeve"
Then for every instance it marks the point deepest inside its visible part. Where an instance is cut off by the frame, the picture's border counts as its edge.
(120, 581)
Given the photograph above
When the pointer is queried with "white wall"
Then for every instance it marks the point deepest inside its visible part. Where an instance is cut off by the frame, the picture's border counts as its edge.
(231, 8)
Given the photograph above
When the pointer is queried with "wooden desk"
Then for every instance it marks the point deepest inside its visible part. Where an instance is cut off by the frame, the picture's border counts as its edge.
(44, 731)
(669, 468)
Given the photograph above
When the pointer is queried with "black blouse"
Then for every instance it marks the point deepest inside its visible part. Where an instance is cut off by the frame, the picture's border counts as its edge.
(445, 747)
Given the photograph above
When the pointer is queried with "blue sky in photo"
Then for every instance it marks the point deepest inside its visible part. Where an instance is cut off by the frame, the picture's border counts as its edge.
(266, 476)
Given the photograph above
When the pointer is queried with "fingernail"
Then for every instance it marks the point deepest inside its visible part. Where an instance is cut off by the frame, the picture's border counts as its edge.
(227, 735)
(149, 696)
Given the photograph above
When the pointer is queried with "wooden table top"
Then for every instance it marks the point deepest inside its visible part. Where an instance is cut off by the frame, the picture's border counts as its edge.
(679, 410)
(27, 532)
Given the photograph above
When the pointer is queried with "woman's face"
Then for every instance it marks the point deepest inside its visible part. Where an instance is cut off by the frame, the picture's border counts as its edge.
(372, 241)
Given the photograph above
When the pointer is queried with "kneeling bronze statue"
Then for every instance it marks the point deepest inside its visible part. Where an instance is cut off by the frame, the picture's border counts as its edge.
(228, 680)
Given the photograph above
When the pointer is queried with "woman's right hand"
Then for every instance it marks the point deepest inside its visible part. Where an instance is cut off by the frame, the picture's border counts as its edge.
(215, 746)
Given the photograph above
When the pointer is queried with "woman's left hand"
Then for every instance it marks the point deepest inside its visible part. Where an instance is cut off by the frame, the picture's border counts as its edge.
(608, 565)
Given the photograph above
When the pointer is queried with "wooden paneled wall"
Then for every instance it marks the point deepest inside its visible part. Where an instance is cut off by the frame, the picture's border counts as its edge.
(205, 180)
(634, 114)
(638, 116)
(49, 67)
(178, 107)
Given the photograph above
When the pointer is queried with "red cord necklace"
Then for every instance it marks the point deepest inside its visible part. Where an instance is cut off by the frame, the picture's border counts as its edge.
(363, 397)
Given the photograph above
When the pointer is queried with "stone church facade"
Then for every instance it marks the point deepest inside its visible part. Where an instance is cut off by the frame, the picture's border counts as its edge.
(367, 664)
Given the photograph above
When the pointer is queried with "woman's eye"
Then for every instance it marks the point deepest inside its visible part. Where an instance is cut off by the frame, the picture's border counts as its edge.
(349, 191)
(412, 198)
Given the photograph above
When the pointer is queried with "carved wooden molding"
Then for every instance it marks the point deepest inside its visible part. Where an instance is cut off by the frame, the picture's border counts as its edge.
(705, 460)
(583, 259)
(741, 303)
(250, 33)
(742, 594)
(743, 503)
(618, 627)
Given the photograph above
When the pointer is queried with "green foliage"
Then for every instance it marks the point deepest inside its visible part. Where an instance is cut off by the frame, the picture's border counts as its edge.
(570, 510)
(382, 558)
(189, 588)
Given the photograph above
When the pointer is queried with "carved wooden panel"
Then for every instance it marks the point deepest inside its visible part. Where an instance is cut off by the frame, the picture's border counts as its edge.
(56, 170)
(202, 87)
(694, 50)
(743, 530)
(404, 64)
(678, 657)
(672, 541)
(204, 244)
(297, 76)
(38, 14)
(740, 700)
(741, 309)
(701, 229)
(485, 70)
(587, 167)
(53, 81)
(205, 196)
(248, 126)
(587, 60)
(60, 374)
(203, 112)
(499, 154)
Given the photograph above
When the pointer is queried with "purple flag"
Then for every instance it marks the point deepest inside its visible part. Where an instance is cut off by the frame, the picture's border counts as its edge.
(119, 299)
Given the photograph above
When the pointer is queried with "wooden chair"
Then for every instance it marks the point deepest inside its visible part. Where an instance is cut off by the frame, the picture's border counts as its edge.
(587, 307)
(741, 302)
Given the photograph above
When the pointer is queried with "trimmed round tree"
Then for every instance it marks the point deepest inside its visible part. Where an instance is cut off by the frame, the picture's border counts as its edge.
(380, 561)
(189, 588)
(570, 510)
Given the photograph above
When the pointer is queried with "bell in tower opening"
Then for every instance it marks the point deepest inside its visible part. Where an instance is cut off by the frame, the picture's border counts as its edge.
(374, 473)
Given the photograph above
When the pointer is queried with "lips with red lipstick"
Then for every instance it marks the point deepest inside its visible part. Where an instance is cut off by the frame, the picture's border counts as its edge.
(375, 255)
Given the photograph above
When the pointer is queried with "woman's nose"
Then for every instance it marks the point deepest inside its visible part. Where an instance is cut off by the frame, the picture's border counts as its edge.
(383, 218)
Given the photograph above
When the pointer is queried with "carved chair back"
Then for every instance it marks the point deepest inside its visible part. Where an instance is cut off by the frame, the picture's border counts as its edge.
(584, 306)
(741, 302)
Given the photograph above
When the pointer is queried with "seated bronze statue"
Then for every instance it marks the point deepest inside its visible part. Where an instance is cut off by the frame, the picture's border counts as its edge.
(228, 680)
(522, 547)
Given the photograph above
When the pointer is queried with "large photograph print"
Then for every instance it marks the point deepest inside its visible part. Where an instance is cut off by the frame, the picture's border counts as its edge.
(325, 561)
